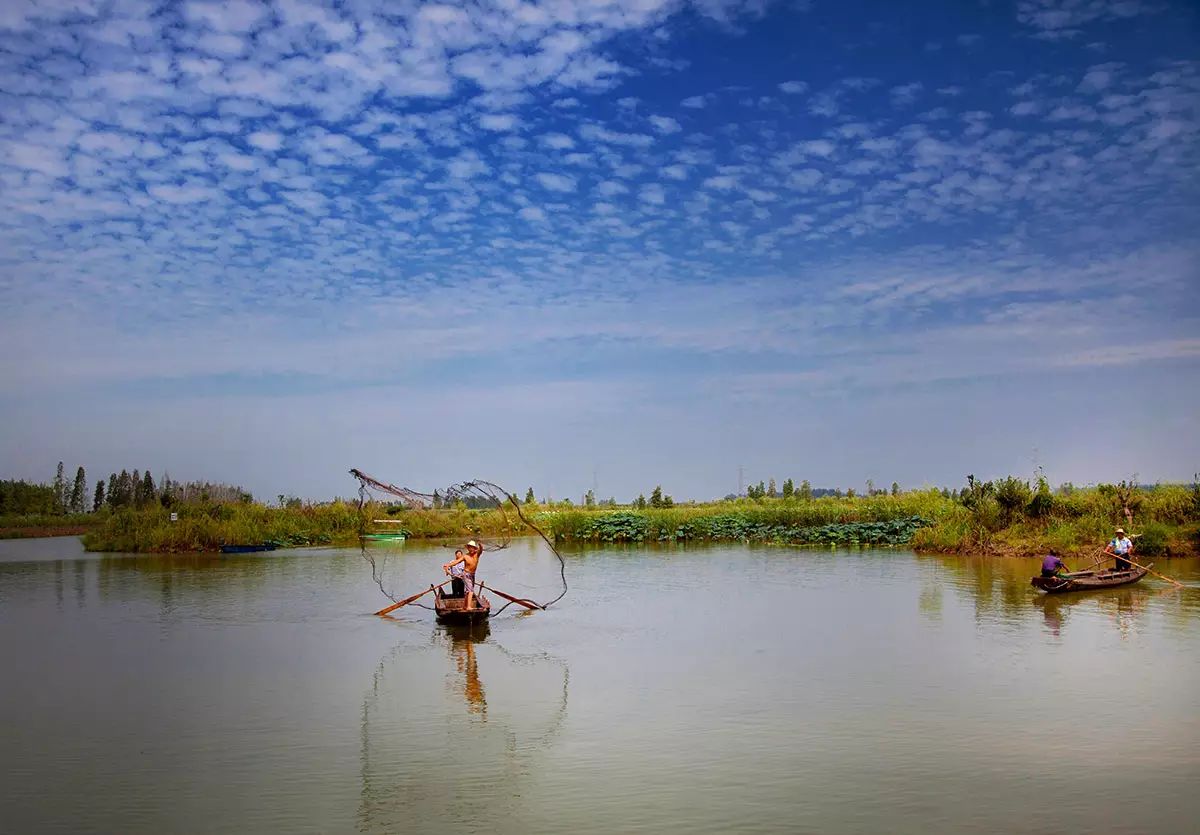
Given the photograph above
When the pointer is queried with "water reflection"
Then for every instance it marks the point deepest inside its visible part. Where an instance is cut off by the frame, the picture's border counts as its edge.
(997, 589)
(450, 718)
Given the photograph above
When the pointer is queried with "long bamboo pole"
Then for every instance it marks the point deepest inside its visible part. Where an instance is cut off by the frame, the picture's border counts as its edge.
(408, 600)
(1155, 573)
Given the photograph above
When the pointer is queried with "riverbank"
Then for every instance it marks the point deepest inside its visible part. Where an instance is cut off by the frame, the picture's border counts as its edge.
(207, 526)
(1009, 519)
(1012, 520)
(30, 526)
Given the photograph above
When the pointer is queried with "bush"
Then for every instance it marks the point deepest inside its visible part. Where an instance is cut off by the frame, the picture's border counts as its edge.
(1013, 495)
(1153, 541)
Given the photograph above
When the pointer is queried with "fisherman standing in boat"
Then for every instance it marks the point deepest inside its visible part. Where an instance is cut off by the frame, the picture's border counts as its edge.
(469, 562)
(1120, 547)
(1052, 564)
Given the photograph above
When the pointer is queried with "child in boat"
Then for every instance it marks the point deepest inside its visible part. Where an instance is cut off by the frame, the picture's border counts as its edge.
(469, 562)
(1052, 564)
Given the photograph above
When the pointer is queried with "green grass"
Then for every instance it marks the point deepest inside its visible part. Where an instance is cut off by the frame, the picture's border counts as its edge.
(1074, 524)
(18, 526)
(205, 526)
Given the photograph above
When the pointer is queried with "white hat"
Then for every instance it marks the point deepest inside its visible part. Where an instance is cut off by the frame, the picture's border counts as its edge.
(472, 544)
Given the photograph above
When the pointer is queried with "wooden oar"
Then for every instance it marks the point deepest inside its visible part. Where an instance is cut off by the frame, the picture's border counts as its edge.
(528, 604)
(408, 600)
(1155, 573)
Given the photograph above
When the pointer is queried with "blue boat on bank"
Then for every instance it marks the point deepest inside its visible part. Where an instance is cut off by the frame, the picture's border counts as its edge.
(247, 549)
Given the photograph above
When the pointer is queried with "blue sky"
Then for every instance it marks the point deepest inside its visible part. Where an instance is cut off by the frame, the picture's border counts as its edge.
(646, 240)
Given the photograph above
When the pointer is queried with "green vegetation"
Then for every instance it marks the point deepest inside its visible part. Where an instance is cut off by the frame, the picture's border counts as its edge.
(206, 525)
(1011, 516)
(879, 519)
(1005, 516)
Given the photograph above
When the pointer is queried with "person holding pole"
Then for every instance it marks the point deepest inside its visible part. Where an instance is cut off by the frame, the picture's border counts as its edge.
(1119, 548)
(469, 562)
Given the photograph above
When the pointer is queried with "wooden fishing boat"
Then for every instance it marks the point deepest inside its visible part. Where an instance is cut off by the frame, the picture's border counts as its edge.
(1089, 580)
(452, 608)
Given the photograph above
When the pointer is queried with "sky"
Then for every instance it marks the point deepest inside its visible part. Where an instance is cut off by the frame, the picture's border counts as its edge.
(615, 244)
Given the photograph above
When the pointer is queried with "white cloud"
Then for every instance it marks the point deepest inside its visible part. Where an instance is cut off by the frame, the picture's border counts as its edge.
(557, 141)
(556, 182)
(905, 95)
(1056, 19)
(665, 124)
(265, 140)
(597, 133)
(793, 87)
(498, 121)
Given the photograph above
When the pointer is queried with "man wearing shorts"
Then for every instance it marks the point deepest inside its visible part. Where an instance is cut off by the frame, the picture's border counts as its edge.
(469, 562)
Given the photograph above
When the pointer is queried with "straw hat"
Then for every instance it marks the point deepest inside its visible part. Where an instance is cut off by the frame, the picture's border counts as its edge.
(1120, 530)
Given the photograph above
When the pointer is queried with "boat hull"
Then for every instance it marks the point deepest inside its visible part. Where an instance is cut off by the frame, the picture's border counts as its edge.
(1088, 580)
(451, 610)
(246, 549)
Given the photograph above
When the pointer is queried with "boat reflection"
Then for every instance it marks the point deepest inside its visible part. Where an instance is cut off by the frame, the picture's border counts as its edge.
(447, 713)
(463, 639)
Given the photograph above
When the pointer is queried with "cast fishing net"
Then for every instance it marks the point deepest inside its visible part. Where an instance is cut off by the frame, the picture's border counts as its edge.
(478, 510)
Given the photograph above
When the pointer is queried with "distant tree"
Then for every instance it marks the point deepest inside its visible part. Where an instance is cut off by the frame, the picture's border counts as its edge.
(149, 494)
(589, 499)
(771, 489)
(437, 499)
(895, 488)
(20, 497)
(124, 489)
(870, 487)
(78, 499)
(640, 502)
(805, 491)
(135, 489)
(110, 495)
(98, 500)
(529, 497)
(789, 489)
(60, 490)
(850, 494)
(656, 497)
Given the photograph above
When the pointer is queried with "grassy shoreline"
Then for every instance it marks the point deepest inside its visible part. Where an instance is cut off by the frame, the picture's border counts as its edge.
(1009, 519)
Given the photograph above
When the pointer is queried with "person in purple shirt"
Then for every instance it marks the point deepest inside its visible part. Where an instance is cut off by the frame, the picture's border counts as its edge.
(1052, 563)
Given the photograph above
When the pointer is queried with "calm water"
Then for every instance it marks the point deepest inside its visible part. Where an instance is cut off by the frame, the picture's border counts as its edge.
(711, 689)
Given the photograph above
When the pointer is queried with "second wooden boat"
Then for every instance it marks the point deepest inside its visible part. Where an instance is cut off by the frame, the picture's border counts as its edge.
(1088, 580)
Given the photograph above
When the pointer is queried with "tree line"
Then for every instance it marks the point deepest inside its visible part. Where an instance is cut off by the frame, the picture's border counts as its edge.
(136, 489)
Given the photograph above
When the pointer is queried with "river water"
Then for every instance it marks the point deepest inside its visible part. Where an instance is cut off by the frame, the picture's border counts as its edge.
(717, 689)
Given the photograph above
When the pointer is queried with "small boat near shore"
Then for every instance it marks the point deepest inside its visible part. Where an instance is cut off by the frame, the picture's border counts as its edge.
(248, 549)
(1089, 580)
(452, 609)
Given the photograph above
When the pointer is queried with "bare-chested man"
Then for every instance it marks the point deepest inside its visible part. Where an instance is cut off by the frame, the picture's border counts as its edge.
(469, 562)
